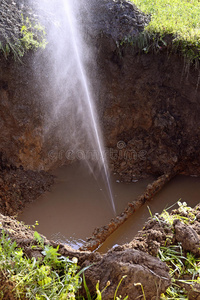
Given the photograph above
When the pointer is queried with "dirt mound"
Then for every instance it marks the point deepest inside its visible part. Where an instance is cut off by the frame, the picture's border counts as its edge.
(179, 230)
(137, 263)
(137, 266)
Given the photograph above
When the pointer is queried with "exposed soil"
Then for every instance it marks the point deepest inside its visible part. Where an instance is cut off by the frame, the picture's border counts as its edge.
(148, 103)
(137, 265)
(149, 108)
(138, 259)
(19, 186)
(158, 232)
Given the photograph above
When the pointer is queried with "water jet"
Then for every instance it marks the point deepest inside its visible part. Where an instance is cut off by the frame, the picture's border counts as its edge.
(74, 103)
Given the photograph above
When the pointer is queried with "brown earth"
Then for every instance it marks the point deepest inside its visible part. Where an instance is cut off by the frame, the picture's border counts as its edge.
(137, 260)
(151, 112)
(19, 186)
(148, 103)
(149, 108)
(138, 266)
(184, 231)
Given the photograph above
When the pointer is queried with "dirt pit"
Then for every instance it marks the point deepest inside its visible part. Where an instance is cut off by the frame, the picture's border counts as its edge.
(77, 204)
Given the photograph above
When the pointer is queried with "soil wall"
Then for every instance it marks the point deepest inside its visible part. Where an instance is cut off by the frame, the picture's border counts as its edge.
(148, 103)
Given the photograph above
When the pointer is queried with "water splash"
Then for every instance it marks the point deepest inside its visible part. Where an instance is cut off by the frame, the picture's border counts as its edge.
(72, 90)
(88, 99)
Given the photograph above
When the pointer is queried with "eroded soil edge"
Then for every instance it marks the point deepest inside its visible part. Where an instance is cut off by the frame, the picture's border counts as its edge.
(138, 259)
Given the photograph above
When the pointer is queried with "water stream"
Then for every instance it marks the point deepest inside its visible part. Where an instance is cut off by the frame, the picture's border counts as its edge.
(73, 121)
(89, 103)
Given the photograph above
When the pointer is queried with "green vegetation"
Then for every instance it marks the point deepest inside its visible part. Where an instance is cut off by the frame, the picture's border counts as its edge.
(175, 25)
(181, 266)
(31, 37)
(184, 266)
(54, 277)
(50, 277)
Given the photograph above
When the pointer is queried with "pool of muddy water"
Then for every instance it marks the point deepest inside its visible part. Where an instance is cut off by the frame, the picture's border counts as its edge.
(78, 203)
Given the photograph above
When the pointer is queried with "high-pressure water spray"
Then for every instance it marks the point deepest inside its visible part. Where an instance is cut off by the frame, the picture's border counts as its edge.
(89, 101)
(74, 105)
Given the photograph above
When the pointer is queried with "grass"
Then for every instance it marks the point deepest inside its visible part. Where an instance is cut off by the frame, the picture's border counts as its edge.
(181, 265)
(184, 266)
(177, 19)
(51, 277)
(54, 277)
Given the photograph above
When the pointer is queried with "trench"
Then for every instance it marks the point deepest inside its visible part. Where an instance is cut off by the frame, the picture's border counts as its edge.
(78, 203)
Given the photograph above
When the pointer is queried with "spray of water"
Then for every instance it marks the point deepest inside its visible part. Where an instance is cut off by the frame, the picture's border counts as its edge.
(72, 103)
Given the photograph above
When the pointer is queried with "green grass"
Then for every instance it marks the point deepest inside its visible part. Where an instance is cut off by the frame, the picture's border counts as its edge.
(54, 277)
(51, 277)
(178, 19)
(180, 265)
(184, 266)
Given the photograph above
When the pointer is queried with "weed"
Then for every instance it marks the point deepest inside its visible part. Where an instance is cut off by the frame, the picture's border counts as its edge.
(55, 277)
(31, 37)
(100, 292)
(139, 284)
(180, 265)
(184, 267)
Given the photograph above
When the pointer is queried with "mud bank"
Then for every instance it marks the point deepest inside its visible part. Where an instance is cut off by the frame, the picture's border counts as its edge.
(138, 259)
(19, 186)
(137, 265)
(150, 107)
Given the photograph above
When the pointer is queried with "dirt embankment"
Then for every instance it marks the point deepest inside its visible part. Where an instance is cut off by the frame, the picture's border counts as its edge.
(148, 103)
(18, 186)
(137, 260)
(149, 108)
(138, 266)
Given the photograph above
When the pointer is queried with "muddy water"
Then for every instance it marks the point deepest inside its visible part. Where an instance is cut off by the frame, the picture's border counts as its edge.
(77, 204)
(183, 188)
